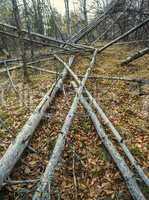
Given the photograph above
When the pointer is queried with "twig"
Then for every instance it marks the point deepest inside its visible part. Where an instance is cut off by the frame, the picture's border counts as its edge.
(10, 79)
(74, 175)
(13, 182)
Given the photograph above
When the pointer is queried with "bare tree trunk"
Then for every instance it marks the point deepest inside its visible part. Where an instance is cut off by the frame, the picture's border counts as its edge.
(84, 11)
(135, 56)
(54, 20)
(121, 164)
(124, 35)
(21, 42)
(110, 125)
(17, 147)
(28, 23)
(40, 17)
(68, 20)
(43, 190)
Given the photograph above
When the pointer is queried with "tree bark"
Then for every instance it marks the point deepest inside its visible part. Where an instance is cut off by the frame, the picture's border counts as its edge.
(43, 190)
(21, 42)
(119, 161)
(135, 56)
(119, 139)
(124, 35)
(17, 147)
(68, 20)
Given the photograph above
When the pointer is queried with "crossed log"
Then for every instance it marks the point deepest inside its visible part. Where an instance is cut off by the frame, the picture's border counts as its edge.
(16, 149)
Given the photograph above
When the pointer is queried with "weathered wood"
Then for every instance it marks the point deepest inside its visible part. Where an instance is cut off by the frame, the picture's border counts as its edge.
(17, 147)
(133, 42)
(119, 161)
(116, 78)
(135, 56)
(113, 78)
(17, 60)
(20, 182)
(124, 35)
(43, 190)
(10, 79)
(44, 40)
(83, 32)
(119, 139)
(10, 69)
(22, 48)
(2, 62)
(108, 29)
(43, 70)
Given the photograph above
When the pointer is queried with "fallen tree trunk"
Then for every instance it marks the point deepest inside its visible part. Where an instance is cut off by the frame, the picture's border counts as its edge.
(119, 161)
(43, 190)
(109, 28)
(10, 69)
(17, 147)
(42, 39)
(124, 35)
(43, 70)
(134, 42)
(135, 56)
(2, 62)
(17, 60)
(119, 139)
(116, 78)
(113, 78)
(83, 32)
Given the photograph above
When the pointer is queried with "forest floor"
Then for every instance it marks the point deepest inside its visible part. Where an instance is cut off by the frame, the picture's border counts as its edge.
(86, 171)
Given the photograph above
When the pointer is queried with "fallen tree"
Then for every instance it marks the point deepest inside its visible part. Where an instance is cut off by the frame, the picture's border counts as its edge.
(135, 56)
(109, 28)
(107, 122)
(124, 35)
(117, 78)
(10, 69)
(111, 78)
(42, 39)
(43, 190)
(87, 29)
(119, 161)
(17, 147)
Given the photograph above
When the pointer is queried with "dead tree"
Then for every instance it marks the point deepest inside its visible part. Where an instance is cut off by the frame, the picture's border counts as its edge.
(84, 11)
(68, 20)
(17, 147)
(121, 164)
(42, 39)
(43, 190)
(135, 56)
(20, 37)
(110, 125)
(125, 34)
(40, 23)
(28, 24)
(54, 21)
(92, 25)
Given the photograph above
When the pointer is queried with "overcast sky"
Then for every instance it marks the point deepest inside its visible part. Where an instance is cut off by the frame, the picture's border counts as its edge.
(74, 5)
(59, 5)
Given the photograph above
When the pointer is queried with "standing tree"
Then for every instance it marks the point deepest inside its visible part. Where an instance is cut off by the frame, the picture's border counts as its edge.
(68, 21)
(21, 41)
